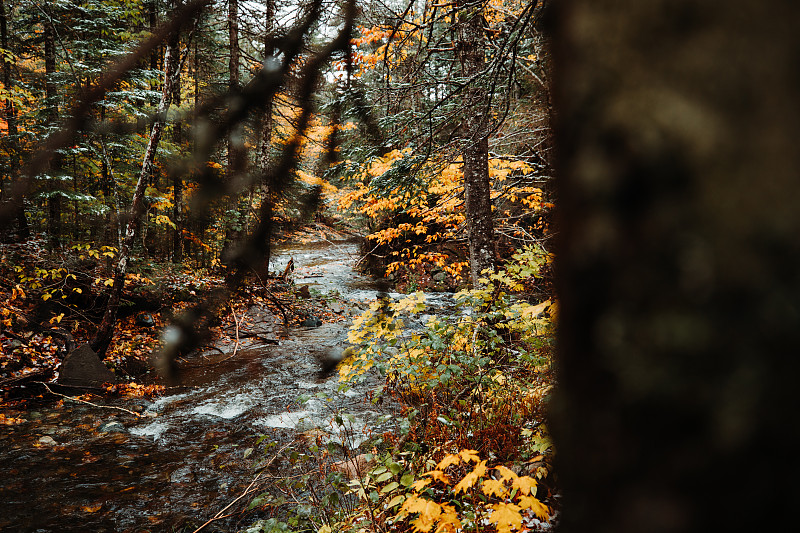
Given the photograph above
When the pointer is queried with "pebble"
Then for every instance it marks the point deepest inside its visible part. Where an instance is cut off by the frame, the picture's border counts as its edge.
(47, 441)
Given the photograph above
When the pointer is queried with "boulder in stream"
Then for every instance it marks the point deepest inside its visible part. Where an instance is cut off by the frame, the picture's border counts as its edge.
(83, 368)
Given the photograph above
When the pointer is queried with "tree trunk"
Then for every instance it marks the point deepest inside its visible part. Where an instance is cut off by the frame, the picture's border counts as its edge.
(677, 266)
(51, 93)
(10, 111)
(266, 136)
(236, 154)
(235, 151)
(12, 139)
(105, 331)
(475, 136)
(177, 180)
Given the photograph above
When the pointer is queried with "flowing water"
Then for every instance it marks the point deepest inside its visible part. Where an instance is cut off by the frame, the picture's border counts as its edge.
(78, 467)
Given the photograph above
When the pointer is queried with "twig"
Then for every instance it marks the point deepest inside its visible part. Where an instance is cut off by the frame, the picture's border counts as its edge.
(76, 399)
(247, 491)
(235, 346)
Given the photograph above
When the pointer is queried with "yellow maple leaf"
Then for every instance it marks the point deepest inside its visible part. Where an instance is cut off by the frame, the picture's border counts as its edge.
(506, 516)
(524, 484)
(421, 484)
(493, 486)
(541, 511)
(471, 478)
(438, 475)
(428, 512)
(506, 474)
(449, 459)
(469, 455)
(448, 520)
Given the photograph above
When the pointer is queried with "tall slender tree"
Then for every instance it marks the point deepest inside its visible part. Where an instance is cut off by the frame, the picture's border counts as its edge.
(105, 331)
(10, 112)
(177, 179)
(236, 155)
(11, 140)
(51, 116)
(475, 130)
(267, 124)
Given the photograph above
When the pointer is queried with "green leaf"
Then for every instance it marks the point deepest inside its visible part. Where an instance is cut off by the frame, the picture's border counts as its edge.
(390, 487)
(384, 477)
(397, 500)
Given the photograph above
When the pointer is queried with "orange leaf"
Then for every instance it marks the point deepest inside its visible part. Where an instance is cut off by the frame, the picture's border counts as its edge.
(493, 486)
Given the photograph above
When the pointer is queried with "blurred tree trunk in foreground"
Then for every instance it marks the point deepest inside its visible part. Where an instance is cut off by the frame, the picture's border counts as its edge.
(679, 264)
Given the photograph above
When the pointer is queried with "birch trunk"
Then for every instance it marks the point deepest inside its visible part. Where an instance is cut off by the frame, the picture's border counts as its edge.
(105, 331)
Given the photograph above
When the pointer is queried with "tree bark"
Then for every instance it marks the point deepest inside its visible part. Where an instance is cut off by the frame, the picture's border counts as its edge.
(105, 331)
(235, 152)
(177, 179)
(12, 139)
(475, 136)
(51, 93)
(266, 135)
(677, 124)
(10, 111)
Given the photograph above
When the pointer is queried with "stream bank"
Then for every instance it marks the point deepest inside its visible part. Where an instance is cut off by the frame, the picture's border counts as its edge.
(190, 452)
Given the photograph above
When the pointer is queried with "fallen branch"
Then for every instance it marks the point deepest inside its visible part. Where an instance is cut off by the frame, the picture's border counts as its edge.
(247, 491)
(259, 336)
(76, 399)
(274, 299)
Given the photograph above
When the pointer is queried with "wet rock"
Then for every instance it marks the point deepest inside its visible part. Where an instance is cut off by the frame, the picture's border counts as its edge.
(145, 319)
(47, 441)
(183, 474)
(304, 292)
(312, 322)
(337, 308)
(113, 426)
(259, 326)
(83, 368)
(141, 407)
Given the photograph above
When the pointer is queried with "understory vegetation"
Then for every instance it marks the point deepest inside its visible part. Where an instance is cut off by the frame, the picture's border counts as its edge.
(471, 451)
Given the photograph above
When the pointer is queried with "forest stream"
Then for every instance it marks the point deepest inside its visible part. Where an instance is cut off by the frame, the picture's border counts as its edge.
(78, 467)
